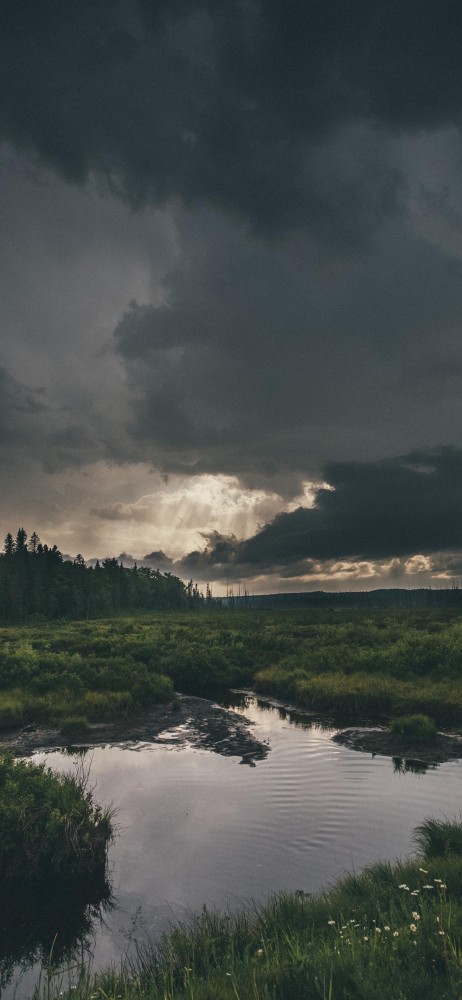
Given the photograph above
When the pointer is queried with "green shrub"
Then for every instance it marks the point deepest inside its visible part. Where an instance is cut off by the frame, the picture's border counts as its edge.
(418, 728)
(50, 828)
(74, 724)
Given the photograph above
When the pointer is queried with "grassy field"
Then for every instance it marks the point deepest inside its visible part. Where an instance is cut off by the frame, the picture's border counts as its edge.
(353, 663)
(392, 932)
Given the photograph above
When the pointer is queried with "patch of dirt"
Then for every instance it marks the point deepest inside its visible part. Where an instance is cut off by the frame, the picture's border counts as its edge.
(378, 740)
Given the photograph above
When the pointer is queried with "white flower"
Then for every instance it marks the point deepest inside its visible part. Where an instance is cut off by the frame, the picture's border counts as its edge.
(413, 928)
(416, 915)
(331, 923)
(424, 870)
(395, 933)
(386, 928)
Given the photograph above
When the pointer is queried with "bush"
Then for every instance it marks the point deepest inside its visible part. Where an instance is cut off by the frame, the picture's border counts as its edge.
(50, 828)
(418, 728)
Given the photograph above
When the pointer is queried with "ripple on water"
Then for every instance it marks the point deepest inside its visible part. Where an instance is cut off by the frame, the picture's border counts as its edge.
(194, 827)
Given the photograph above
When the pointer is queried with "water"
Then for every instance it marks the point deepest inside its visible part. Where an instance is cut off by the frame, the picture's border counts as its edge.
(195, 826)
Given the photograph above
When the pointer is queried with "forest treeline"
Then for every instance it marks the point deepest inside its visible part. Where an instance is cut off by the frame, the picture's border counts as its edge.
(36, 581)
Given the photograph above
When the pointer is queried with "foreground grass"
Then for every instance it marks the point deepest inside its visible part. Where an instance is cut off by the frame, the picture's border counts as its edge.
(353, 663)
(394, 932)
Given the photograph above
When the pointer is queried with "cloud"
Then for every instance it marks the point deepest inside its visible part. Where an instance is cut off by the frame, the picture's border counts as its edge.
(392, 509)
(183, 100)
(141, 510)
(157, 559)
(264, 363)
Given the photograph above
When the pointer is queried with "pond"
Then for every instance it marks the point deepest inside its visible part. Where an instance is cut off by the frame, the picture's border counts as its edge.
(222, 810)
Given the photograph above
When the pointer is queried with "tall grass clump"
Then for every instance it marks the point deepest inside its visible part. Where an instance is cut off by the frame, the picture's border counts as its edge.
(50, 827)
(418, 728)
(439, 839)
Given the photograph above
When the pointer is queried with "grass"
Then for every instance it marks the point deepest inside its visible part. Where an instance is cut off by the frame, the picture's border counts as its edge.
(394, 931)
(417, 728)
(50, 828)
(351, 663)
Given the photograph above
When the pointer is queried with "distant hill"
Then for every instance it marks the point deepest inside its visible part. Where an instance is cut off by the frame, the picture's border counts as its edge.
(385, 598)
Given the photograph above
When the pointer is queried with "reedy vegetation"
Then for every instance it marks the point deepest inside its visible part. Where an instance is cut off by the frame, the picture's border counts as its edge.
(50, 827)
(352, 663)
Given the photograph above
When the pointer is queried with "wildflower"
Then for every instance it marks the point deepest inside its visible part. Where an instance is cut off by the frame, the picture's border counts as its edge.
(331, 923)
(416, 915)
(365, 938)
(395, 933)
(413, 928)
(386, 928)
(437, 879)
(437, 920)
(424, 870)
(443, 885)
(441, 933)
(260, 951)
(378, 930)
(403, 886)
(415, 892)
(427, 887)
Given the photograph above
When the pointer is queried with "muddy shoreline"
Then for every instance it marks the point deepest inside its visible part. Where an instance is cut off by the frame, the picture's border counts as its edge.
(197, 722)
(378, 740)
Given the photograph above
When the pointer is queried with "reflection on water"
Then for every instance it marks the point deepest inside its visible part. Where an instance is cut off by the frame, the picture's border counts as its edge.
(193, 827)
(401, 766)
(51, 928)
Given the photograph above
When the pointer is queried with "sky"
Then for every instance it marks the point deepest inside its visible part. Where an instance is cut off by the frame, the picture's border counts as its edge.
(231, 287)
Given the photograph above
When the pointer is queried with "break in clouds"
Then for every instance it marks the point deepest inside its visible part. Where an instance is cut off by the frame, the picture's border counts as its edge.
(233, 263)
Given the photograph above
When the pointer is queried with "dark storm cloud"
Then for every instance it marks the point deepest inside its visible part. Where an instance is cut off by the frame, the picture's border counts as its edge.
(263, 363)
(373, 511)
(22, 409)
(229, 106)
(157, 559)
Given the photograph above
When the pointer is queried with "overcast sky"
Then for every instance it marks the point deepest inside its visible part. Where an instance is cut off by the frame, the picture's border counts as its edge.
(231, 286)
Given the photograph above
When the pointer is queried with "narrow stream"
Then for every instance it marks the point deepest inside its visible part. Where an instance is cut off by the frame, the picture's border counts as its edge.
(198, 825)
